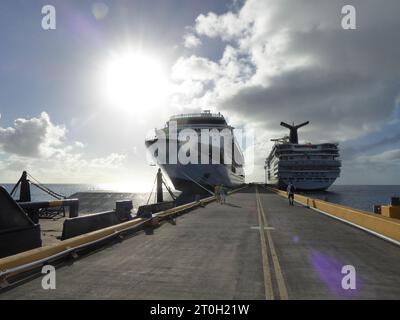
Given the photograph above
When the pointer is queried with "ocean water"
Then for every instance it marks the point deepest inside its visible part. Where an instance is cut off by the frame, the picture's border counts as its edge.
(362, 197)
(63, 189)
(69, 189)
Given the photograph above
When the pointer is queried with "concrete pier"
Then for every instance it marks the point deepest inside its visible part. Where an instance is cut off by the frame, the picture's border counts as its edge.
(253, 247)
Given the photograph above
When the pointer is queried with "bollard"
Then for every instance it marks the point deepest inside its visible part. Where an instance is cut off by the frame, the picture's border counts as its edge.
(160, 196)
(377, 208)
(74, 209)
(123, 209)
(395, 201)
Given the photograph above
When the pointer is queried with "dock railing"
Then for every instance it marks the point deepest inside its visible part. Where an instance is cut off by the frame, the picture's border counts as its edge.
(384, 227)
(23, 262)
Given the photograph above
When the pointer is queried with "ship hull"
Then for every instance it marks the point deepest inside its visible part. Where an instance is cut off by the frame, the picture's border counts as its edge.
(197, 178)
(311, 185)
(200, 178)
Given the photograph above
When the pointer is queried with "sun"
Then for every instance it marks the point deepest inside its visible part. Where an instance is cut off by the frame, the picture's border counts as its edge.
(134, 81)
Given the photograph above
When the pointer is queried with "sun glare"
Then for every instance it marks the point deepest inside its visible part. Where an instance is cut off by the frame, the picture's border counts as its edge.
(135, 82)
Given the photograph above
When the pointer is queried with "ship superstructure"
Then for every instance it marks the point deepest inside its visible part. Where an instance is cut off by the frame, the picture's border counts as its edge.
(308, 166)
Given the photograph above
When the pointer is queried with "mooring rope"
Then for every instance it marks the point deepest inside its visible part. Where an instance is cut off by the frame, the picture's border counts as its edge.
(154, 183)
(42, 187)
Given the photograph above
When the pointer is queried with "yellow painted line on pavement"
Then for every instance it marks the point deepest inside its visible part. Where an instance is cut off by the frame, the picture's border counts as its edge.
(56, 203)
(269, 293)
(283, 294)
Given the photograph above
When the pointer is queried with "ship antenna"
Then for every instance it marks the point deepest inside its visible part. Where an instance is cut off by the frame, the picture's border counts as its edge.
(293, 137)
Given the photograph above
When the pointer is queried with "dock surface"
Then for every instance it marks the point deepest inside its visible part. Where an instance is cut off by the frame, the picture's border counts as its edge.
(253, 247)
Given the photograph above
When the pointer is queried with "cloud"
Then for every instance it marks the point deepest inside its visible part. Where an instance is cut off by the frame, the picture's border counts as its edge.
(100, 10)
(287, 60)
(227, 26)
(194, 68)
(385, 158)
(191, 41)
(35, 137)
(114, 160)
(293, 61)
(339, 105)
(15, 164)
(350, 152)
(79, 144)
(42, 148)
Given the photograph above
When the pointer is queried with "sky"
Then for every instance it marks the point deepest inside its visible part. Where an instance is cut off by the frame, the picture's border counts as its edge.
(75, 109)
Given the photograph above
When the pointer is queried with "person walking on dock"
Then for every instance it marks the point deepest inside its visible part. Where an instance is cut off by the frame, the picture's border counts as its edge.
(222, 192)
(290, 192)
(217, 193)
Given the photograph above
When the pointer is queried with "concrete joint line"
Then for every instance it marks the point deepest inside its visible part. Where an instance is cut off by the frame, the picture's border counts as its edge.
(259, 227)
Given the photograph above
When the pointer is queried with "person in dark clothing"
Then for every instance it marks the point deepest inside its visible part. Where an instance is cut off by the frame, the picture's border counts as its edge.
(290, 192)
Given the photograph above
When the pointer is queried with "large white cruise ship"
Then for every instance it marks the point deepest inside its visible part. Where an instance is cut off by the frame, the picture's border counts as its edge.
(310, 167)
(213, 160)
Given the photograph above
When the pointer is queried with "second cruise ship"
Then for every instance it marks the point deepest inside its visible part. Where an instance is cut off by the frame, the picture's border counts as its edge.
(309, 167)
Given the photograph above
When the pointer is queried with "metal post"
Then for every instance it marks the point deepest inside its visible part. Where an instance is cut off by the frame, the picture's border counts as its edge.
(25, 191)
(74, 209)
(159, 187)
